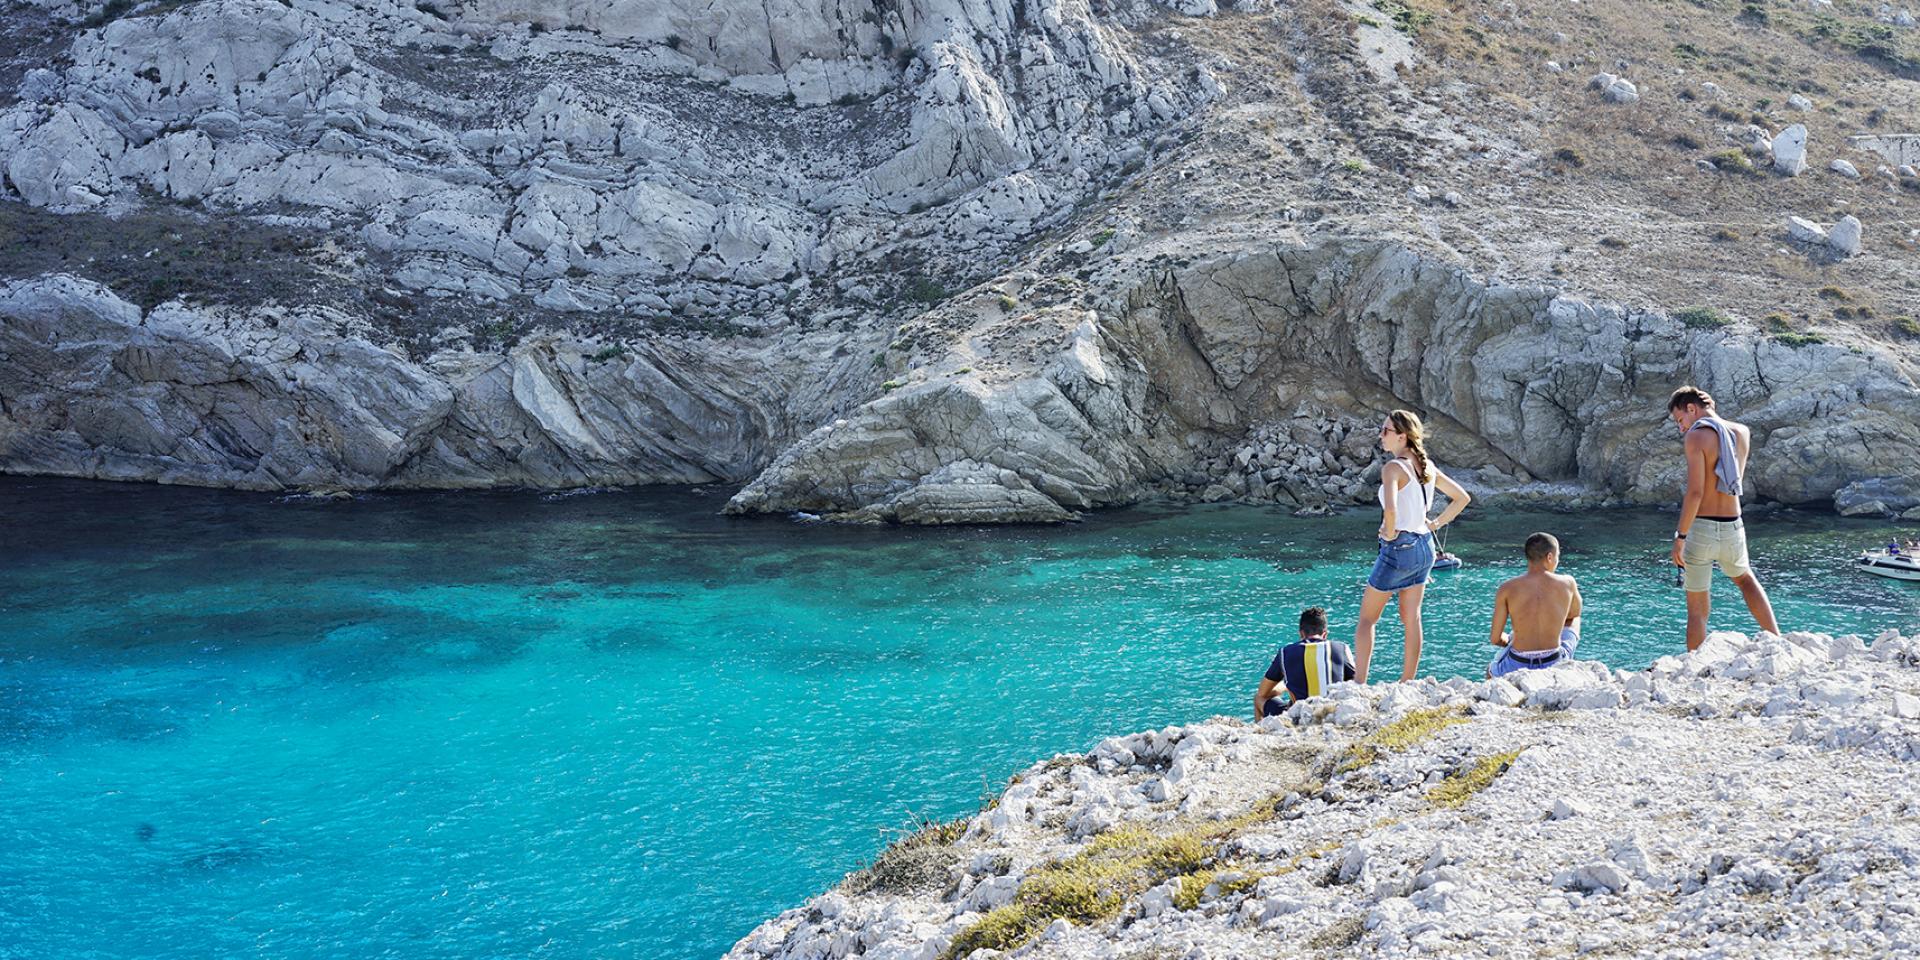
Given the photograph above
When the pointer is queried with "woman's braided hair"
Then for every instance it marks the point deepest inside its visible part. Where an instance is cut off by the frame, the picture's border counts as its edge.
(1407, 424)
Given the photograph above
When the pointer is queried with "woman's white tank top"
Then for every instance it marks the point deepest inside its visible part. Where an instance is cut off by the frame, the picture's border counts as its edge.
(1410, 502)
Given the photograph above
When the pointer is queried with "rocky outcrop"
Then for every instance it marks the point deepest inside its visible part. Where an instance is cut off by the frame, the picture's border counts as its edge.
(1533, 815)
(1790, 151)
(1900, 149)
(1065, 435)
(299, 398)
(1524, 380)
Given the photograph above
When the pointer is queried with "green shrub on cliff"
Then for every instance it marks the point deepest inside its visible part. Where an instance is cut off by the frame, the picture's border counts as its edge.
(1702, 318)
(1732, 161)
(916, 862)
(1797, 340)
(925, 290)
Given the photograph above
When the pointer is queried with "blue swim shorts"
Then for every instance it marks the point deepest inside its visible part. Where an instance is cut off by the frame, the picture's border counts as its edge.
(1510, 660)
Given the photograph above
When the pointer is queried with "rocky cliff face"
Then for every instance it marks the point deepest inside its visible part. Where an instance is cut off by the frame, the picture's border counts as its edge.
(627, 156)
(918, 260)
(297, 398)
(1523, 382)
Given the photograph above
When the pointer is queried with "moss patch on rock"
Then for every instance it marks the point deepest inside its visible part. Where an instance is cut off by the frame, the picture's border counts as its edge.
(1098, 882)
(1417, 727)
(1457, 789)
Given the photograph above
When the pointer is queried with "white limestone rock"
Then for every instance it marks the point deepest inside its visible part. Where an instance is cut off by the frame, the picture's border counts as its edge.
(1806, 231)
(1906, 706)
(992, 892)
(1790, 151)
(1159, 900)
(1499, 691)
(1565, 809)
(1622, 91)
(1083, 453)
(1614, 89)
(1844, 169)
(1845, 236)
(1598, 877)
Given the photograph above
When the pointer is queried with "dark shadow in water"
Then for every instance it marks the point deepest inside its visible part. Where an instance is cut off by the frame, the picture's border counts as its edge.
(224, 856)
(628, 640)
(32, 712)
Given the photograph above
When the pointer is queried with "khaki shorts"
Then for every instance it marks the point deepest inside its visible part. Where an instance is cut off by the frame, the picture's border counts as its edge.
(1710, 542)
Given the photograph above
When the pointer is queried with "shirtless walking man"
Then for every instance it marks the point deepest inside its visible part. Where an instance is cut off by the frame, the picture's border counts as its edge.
(1710, 530)
(1544, 607)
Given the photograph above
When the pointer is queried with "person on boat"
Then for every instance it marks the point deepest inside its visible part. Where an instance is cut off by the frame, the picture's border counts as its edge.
(1544, 607)
(1710, 530)
(1407, 484)
(1305, 668)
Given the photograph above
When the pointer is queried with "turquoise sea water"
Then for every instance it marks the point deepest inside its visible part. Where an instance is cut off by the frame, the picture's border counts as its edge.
(514, 725)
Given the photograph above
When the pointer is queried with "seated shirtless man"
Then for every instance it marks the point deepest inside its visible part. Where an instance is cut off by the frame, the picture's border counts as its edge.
(1545, 609)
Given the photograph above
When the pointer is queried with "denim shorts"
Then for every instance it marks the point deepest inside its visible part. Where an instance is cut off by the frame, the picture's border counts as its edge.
(1404, 562)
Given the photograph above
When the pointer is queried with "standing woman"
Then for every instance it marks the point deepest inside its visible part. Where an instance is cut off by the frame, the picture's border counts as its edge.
(1407, 483)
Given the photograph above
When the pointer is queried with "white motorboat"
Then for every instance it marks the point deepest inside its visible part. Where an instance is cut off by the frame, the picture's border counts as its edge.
(1899, 566)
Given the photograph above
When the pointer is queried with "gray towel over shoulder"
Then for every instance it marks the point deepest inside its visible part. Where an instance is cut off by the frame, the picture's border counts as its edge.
(1727, 470)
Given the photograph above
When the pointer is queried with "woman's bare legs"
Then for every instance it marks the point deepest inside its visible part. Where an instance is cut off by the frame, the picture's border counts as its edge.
(1410, 622)
(1372, 604)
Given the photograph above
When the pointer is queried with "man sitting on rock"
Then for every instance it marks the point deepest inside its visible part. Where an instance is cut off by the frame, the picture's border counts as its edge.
(1544, 607)
(1306, 667)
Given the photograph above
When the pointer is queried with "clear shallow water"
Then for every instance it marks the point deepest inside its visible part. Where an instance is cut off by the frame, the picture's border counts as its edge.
(508, 725)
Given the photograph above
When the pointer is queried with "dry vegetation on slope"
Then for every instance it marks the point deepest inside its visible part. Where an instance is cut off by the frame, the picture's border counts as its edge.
(1554, 184)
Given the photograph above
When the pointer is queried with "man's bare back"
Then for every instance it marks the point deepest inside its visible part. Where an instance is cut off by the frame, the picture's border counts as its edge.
(1540, 603)
(1705, 444)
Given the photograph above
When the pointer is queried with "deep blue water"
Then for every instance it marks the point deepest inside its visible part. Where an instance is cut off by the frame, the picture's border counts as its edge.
(515, 725)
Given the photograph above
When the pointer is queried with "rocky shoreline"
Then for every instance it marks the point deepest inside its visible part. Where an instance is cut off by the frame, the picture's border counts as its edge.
(1754, 798)
(1255, 377)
